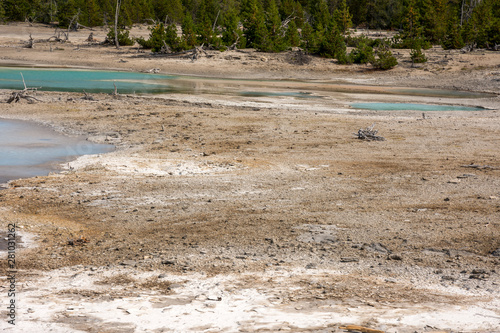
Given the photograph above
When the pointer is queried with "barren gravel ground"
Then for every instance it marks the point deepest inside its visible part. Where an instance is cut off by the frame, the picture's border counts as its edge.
(225, 213)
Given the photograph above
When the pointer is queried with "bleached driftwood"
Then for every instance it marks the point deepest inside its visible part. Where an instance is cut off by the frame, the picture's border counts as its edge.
(16, 96)
(369, 134)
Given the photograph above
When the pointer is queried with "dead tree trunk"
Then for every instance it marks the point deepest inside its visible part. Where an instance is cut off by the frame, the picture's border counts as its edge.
(117, 44)
(75, 18)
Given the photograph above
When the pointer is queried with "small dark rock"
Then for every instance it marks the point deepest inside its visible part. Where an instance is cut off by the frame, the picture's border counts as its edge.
(395, 257)
(479, 271)
(270, 240)
(311, 266)
(168, 262)
(496, 253)
(349, 259)
(448, 278)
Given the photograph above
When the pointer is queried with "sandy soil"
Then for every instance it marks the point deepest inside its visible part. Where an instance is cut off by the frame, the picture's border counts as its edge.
(242, 214)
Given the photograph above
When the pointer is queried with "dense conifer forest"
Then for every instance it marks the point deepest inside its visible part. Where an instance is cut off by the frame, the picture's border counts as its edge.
(319, 27)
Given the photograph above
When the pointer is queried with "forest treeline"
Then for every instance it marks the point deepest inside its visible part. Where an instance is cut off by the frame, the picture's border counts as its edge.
(318, 26)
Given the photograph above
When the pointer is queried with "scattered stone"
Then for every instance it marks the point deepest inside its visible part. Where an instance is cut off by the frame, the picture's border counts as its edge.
(270, 240)
(311, 266)
(349, 259)
(129, 263)
(395, 257)
(168, 262)
(377, 247)
(466, 175)
(448, 278)
(496, 253)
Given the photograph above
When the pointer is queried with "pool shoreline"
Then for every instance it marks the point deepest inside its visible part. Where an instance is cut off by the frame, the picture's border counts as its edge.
(28, 149)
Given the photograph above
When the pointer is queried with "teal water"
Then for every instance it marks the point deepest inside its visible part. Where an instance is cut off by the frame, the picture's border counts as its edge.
(72, 80)
(28, 150)
(94, 81)
(412, 107)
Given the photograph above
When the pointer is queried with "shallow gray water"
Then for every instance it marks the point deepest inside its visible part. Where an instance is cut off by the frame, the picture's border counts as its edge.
(28, 150)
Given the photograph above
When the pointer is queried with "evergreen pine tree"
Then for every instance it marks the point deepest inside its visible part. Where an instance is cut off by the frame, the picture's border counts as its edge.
(66, 11)
(89, 12)
(320, 14)
(292, 34)
(274, 41)
(453, 38)
(157, 36)
(416, 54)
(188, 32)
(107, 11)
(230, 30)
(18, 10)
(168, 10)
(2, 13)
(171, 38)
(332, 44)
(411, 24)
(308, 42)
(342, 17)
(254, 24)
(292, 9)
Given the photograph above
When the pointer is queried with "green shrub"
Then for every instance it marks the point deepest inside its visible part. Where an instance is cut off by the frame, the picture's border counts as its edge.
(363, 54)
(159, 36)
(123, 37)
(384, 60)
(417, 56)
